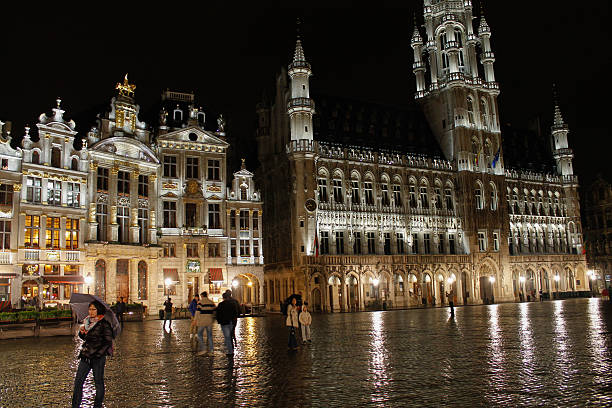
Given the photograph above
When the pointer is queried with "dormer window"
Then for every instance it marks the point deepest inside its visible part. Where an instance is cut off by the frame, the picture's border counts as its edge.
(35, 158)
(201, 119)
(243, 193)
(74, 165)
(178, 115)
(56, 157)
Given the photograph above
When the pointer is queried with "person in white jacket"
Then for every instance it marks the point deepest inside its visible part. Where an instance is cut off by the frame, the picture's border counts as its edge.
(305, 321)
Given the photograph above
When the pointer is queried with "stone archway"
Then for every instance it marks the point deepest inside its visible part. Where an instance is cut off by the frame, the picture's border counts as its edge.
(317, 300)
(352, 282)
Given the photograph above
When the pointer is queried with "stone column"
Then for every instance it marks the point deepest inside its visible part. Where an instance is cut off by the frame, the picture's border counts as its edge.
(361, 293)
(133, 280)
(153, 208)
(92, 234)
(111, 277)
(112, 201)
(134, 230)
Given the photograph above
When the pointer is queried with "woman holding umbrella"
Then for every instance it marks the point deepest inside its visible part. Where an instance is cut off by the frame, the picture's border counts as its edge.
(97, 333)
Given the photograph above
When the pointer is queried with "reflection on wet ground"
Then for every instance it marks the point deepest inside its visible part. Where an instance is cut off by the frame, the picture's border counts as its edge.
(553, 353)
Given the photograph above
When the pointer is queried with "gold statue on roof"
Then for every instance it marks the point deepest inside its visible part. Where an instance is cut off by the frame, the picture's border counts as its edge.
(125, 89)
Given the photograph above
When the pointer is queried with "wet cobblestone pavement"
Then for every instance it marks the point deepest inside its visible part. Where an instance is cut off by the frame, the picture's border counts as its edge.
(551, 354)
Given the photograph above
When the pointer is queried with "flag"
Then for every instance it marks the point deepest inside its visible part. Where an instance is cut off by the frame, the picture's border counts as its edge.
(584, 248)
(316, 243)
(476, 160)
(496, 158)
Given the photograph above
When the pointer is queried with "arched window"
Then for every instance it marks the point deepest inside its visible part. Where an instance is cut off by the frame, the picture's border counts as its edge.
(448, 197)
(142, 280)
(100, 269)
(384, 192)
(443, 54)
(35, 157)
(459, 40)
(412, 192)
(56, 157)
(322, 187)
(478, 197)
(493, 203)
(470, 110)
(484, 112)
(74, 164)
(178, 115)
(423, 195)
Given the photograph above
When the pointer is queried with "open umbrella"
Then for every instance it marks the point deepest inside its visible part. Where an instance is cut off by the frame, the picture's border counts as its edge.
(80, 304)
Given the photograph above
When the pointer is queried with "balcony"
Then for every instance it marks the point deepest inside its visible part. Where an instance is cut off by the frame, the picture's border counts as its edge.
(299, 66)
(302, 145)
(418, 65)
(300, 105)
(31, 255)
(72, 256)
(194, 231)
(5, 258)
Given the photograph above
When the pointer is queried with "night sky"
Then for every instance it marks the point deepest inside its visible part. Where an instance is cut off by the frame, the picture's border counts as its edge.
(229, 56)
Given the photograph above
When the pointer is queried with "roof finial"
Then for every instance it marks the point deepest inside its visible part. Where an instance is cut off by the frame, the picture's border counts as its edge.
(243, 165)
(125, 89)
(297, 27)
(59, 102)
(558, 117)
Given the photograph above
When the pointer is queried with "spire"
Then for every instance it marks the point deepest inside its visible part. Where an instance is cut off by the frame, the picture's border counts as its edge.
(416, 36)
(298, 56)
(559, 122)
(483, 27)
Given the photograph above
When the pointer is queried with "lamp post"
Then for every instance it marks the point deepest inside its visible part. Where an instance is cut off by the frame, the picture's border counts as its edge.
(88, 281)
(522, 288)
(168, 282)
(375, 282)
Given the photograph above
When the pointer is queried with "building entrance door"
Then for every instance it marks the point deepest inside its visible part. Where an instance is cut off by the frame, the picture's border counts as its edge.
(123, 279)
(193, 287)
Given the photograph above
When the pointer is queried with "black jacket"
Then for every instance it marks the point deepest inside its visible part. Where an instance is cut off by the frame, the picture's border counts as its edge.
(98, 340)
(226, 312)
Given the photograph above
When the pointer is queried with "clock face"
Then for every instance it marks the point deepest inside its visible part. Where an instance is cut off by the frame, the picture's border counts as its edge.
(310, 205)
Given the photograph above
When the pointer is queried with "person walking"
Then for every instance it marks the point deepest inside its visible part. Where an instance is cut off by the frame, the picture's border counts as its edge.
(168, 313)
(305, 321)
(121, 309)
(193, 309)
(451, 301)
(226, 313)
(97, 333)
(235, 321)
(292, 323)
(203, 320)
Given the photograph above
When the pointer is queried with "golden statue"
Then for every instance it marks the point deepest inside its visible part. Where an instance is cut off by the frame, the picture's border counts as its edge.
(125, 89)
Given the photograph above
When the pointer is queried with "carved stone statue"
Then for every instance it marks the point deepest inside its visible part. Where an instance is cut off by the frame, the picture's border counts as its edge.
(220, 124)
(92, 212)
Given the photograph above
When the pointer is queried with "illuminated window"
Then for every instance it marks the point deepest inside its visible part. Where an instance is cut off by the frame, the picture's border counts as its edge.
(53, 232)
(72, 233)
(73, 195)
(34, 189)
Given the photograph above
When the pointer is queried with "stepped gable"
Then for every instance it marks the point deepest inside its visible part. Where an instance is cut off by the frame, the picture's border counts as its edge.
(356, 123)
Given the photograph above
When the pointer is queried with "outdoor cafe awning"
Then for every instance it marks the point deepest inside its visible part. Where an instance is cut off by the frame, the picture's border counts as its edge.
(72, 280)
(215, 275)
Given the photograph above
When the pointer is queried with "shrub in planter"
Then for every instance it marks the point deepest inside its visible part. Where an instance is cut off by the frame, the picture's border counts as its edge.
(28, 315)
(8, 317)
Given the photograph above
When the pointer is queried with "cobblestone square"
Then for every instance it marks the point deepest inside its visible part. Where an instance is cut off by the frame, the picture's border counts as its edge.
(555, 353)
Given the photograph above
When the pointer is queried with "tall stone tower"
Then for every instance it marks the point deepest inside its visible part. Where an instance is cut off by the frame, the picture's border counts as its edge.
(300, 108)
(456, 87)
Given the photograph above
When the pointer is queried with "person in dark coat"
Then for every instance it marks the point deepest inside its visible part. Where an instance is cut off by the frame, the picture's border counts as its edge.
(226, 313)
(168, 313)
(97, 334)
(121, 309)
(235, 321)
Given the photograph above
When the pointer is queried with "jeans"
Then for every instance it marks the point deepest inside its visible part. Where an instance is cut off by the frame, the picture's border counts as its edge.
(208, 336)
(292, 338)
(227, 335)
(305, 332)
(168, 316)
(86, 365)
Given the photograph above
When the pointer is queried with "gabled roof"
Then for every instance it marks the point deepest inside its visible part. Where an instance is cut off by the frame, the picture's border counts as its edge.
(125, 147)
(192, 134)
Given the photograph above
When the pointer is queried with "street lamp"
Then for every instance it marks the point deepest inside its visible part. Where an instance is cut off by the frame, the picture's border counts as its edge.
(88, 281)
(235, 283)
(168, 282)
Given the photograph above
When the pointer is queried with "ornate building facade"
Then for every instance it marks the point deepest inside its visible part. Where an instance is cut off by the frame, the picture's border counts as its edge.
(134, 213)
(597, 206)
(370, 212)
